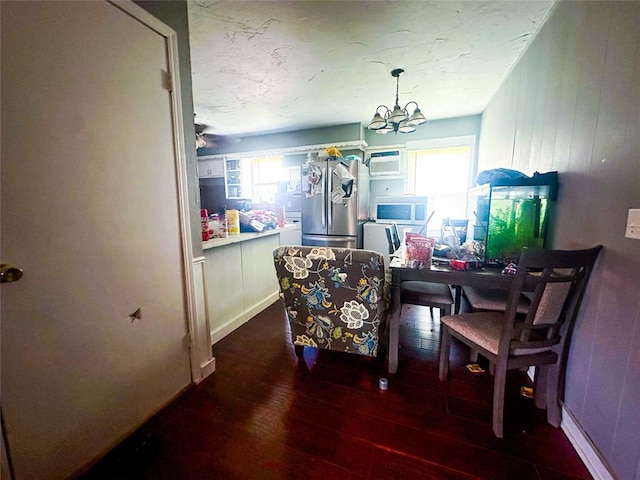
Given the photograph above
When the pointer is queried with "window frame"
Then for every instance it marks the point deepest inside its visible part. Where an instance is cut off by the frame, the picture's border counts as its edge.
(255, 183)
(446, 142)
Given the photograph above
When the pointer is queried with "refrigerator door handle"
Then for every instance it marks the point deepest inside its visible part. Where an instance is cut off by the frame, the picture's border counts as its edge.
(324, 203)
(328, 197)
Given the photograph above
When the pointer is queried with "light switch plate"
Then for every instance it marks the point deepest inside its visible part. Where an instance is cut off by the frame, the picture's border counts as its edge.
(633, 224)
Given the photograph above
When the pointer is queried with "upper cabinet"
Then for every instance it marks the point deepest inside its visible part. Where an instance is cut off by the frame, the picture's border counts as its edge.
(210, 167)
(237, 177)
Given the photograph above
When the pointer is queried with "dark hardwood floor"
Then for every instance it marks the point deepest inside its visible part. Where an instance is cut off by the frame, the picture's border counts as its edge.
(265, 415)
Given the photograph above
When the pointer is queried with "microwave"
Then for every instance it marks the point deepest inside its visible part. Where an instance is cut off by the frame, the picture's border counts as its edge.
(401, 209)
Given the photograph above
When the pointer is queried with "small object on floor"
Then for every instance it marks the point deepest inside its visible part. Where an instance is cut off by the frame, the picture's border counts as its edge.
(475, 368)
(383, 384)
(526, 392)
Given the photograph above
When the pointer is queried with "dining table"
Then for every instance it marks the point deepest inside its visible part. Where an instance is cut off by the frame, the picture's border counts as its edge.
(439, 271)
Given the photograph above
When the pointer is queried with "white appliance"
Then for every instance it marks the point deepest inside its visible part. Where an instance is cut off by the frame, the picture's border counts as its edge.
(386, 163)
(292, 205)
(401, 209)
(291, 237)
(375, 237)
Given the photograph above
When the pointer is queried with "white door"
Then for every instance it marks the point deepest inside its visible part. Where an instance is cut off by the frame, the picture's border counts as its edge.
(90, 212)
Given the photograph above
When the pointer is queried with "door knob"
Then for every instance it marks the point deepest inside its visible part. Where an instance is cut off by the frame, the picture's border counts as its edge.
(9, 273)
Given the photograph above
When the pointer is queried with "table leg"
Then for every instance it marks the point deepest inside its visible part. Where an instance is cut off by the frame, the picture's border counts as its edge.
(394, 328)
(458, 298)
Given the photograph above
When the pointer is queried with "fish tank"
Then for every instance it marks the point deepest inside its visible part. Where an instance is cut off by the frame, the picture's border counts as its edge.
(509, 214)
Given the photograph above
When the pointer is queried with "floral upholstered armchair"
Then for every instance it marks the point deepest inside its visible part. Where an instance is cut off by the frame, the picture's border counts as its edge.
(333, 297)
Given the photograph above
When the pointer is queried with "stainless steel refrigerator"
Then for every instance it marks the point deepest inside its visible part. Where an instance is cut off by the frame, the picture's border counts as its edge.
(335, 201)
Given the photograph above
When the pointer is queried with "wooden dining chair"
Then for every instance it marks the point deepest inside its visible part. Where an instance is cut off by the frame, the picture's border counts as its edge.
(487, 299)
(555, 281)
(393, 237)
(432, 295)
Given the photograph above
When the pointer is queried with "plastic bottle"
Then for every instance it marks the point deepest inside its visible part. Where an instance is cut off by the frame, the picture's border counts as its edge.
(222, 218)
(280, 216)
(204, 223)
(214, 226)
(233, 222)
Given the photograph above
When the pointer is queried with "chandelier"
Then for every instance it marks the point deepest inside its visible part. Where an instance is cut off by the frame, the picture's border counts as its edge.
(398, 119)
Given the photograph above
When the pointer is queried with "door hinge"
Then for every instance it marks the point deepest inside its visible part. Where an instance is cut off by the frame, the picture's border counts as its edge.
(167, 82)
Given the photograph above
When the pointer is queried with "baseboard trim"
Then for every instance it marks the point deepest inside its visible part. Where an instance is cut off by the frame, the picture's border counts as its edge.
(202, 361)
(208, 368)
(243, 318)
(584, 446)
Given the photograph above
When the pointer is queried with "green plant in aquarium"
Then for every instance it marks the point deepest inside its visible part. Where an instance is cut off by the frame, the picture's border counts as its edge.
(513, 224)
(500, 231)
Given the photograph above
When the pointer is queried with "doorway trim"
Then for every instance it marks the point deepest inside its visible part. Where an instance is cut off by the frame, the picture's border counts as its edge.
(201, 359)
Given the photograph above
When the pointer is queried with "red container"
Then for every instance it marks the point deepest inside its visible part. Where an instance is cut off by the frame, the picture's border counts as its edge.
(419, 250)
(465, 264)
(204, 224)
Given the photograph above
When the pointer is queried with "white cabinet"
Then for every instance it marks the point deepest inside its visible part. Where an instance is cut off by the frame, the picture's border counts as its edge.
(291, 237)
(237, 177)
(240, 280)
(375, 238)
(210, 167)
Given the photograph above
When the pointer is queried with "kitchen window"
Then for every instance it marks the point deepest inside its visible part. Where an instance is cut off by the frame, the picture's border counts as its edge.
(266, 173)
(441, 170)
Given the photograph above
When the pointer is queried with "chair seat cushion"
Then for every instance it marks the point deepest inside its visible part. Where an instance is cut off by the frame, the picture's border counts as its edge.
(425, 293)
(482, 328)
(495, 300)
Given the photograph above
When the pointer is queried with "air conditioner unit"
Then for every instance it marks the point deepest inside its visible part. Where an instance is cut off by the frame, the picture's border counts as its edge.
(385, 163)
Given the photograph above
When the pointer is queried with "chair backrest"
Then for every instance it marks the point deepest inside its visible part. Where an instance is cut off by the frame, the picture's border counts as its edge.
(554, 281)
(459, 227)
(389, 233)
(333, 297)
(393, 237)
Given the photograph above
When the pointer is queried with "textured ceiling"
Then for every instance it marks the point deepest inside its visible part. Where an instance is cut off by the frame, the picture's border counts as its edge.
(268, 66)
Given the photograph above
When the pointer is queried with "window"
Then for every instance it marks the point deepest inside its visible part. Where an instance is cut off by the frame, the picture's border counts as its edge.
(441, 170)
(266, 173)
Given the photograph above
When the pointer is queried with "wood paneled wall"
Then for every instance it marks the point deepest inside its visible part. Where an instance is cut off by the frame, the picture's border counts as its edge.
(572, 104)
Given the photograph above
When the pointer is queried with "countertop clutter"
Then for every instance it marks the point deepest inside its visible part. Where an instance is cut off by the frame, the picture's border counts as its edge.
(243, 237)
(234, 222)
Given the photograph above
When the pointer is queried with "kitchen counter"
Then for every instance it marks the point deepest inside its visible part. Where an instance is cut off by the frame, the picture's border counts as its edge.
(243, 237)
(240, 279)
